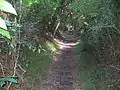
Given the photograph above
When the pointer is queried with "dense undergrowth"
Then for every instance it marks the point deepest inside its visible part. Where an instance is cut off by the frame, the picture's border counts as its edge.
(25, 50)
(27, 30)
(99, 48)
(33, 65)
(97, 76)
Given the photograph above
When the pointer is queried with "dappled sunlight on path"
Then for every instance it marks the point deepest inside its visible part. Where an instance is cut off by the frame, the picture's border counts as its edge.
(63, 74)
(64, 44)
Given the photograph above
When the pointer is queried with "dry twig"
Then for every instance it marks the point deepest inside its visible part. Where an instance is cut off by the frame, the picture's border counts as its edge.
(2, 69)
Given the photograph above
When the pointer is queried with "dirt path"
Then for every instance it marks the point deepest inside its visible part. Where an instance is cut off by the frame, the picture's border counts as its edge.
(63, 74)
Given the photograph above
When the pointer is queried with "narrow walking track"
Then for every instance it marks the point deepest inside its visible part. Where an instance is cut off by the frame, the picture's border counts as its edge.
(63, 74)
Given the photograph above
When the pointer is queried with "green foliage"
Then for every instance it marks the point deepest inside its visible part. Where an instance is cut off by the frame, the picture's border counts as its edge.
(94, 12)
(3, 29)
(92, 15)
(30, 2)
(36, 64)
(5, 33)
(42, 11)
(97, 77)
(6, 7)
(98, 20)
(93, 20)
(2, 24)
(51, 47)
(5, 80)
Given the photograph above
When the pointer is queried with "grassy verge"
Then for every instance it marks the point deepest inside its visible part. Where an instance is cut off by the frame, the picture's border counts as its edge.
(37, 64)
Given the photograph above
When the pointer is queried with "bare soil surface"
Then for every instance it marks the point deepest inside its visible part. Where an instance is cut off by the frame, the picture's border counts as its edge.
(63, 74)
